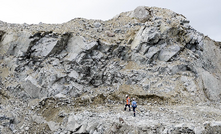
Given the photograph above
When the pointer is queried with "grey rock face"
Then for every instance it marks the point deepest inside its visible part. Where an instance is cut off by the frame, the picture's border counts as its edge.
(75, 46)
(15, 44)
(73, 77)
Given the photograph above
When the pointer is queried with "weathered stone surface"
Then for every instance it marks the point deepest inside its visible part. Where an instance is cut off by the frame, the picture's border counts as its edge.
(75, 46)
(97, 24)
(167, 53)
(212, 127)
(72, 125)
(152, 51)
(73, 77)
(151, 35)
(53, 126)
(15, 44)
(32, 90)
(141, 13)
(211, 86)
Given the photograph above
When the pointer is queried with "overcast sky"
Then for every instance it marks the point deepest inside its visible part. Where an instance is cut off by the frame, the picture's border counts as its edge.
(204, 15)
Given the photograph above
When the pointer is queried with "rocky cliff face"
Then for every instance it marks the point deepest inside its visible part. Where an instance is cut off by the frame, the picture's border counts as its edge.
(73, 77)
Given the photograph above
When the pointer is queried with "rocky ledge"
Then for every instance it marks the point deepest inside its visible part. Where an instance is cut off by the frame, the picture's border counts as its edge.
(73, 77)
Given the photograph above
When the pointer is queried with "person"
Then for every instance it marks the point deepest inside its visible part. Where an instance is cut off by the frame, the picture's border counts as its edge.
(128, 103)
(134, 105)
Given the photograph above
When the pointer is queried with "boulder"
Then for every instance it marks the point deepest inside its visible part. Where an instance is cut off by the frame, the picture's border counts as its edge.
(32, 89)
(137, 39)
(167, 53)
(73, 74)
(211, 86)
(151, 35)
(152, 51)
(141, 13)
(53, 126)
(82, 129)
(91, 127)
(72, 125)
(97, 24)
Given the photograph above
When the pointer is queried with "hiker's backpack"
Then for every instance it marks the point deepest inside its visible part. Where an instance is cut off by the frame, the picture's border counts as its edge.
(134, 104)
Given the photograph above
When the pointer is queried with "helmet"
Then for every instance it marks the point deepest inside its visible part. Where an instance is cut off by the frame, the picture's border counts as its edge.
(133, 98)
(126, 95)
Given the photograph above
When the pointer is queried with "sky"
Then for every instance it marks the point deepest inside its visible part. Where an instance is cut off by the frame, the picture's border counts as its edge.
(204, 15)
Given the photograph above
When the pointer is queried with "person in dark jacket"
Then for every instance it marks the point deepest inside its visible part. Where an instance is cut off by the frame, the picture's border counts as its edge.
(134, 105)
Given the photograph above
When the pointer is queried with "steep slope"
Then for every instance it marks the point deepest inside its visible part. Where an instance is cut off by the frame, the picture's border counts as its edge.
(73, 77)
